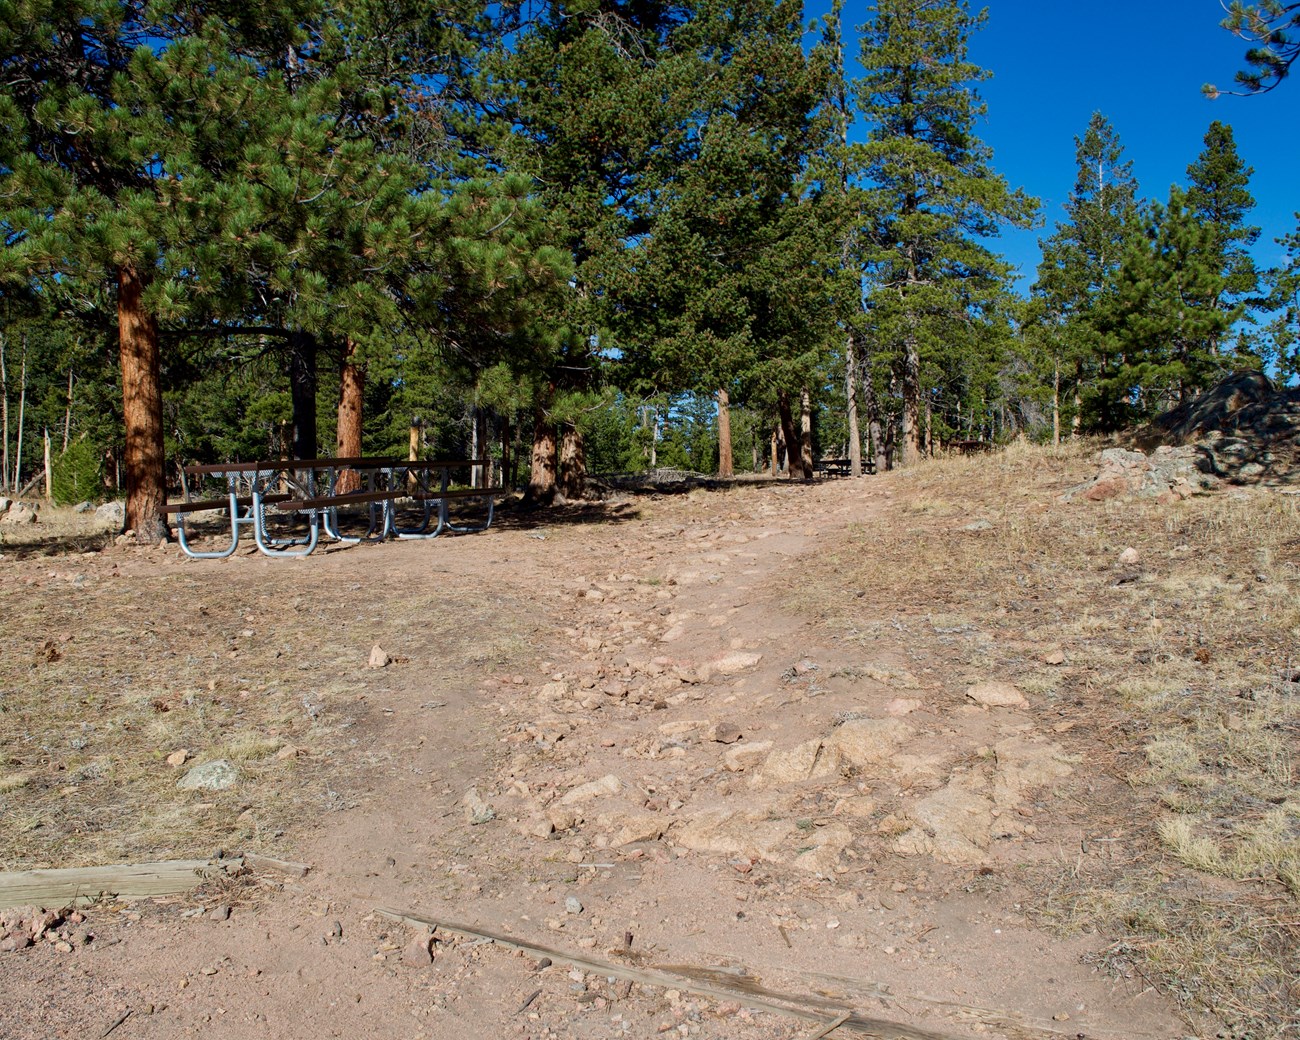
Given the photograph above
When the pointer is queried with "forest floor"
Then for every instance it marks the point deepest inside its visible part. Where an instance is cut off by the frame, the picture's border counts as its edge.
(935, 745)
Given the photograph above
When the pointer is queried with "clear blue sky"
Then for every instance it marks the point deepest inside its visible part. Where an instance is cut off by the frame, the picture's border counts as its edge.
(1141, 63)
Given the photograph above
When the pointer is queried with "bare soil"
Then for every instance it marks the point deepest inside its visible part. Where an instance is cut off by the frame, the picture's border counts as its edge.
(768, 690)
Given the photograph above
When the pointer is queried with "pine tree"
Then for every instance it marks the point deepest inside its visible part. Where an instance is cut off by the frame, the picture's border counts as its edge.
(111, 119)
(1283, 328)
(933, 196)
(1218, 196)
(1080, 263)
(1165, 317)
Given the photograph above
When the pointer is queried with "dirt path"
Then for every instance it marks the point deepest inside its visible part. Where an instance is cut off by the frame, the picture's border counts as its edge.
(668, 764)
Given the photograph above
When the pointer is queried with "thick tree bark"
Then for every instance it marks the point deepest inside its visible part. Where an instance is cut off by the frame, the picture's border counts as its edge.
(4, 416)
(911, 432)
(352, 389)
(851, 398)
(507, 462)
(1056, 403)
(541, 481)
(142, 410)
(725, 468)
(482, 475)
(302, 389)
(805, 433)
(789, 436)
(573, 464)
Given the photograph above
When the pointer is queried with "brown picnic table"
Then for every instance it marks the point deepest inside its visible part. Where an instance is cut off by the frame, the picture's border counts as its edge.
(255, 493)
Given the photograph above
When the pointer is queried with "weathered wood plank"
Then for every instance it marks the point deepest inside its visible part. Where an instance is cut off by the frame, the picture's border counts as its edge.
(60, 887)
(751, 994)
(131, 881)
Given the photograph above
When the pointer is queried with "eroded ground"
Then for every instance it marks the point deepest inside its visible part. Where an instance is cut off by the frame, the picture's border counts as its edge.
(920, 745)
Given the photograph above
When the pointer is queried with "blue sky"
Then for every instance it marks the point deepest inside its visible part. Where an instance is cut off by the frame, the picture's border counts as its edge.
(1140, 63)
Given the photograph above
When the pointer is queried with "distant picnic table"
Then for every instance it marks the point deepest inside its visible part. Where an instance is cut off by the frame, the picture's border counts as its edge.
(255, 494)
(841, 467)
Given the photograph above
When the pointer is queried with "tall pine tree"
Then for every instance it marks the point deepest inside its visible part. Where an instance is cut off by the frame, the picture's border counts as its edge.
(933, 197)
(1080, 263)
(1218, 196)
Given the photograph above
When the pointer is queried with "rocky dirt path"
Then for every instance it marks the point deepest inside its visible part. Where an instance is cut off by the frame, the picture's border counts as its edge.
(674, 768)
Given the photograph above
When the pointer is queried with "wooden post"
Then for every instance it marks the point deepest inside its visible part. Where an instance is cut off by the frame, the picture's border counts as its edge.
(49, 490)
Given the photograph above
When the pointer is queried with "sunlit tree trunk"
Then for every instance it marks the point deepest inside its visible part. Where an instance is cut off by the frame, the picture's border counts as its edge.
(725, 468)
(573, 464)
(805, 433)
(541, 480)
(789, 436)
(851, 397)
(352, 389)
(142, 409)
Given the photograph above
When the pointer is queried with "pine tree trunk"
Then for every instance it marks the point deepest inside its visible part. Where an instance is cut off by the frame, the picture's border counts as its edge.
(788, 436)
(909, 448)
(352, 390)
(851, 398)
(4, 411)
(67, 414)
(483, 472)
(541, 481)
(573, 464)
(776, 451)
(805, 433)
(1056, 403)
(1076, 420)
(142, 410)
(302, 390)
(22, 418)
(475, 446)
(507, 478)
(725, 467)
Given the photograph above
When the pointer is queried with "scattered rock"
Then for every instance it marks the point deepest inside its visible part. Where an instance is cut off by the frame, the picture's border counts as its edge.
(868, 742)
(977, 525)
(1129, 557)
(419, 951)
(606, 785)
(81, 507)
(745, 756)
(477, 809)
(953, 825)
(111, 515)
(378, 657)
(803, 762)
(996, 695)
(1054, 657)
(220, 912)
(633, 829)
(178, 758)
(19, 513)
(731, 833)
(573, 905)
(724, 733)
(218, 775)
(902, 706)
(733, 662)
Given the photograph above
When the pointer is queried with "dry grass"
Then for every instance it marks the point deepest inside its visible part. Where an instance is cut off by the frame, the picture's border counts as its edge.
(105, 675)
(1188, 659)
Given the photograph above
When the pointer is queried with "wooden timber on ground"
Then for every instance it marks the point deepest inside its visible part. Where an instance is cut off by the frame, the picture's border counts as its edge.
(65, 886)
